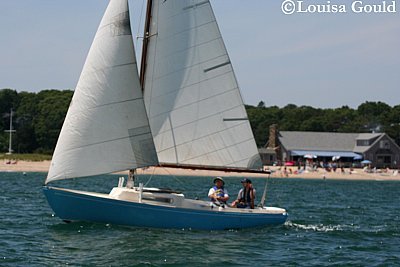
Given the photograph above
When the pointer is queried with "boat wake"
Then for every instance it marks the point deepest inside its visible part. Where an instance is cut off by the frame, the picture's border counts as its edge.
(314, 227)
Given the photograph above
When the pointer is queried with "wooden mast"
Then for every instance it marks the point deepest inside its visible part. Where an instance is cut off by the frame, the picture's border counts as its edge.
(131, 176)
(143, 63)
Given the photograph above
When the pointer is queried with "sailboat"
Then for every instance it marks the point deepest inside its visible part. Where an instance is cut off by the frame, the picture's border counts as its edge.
(184, 110)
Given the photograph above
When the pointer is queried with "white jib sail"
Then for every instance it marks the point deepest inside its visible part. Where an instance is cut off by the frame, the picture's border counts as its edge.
(196, 112)
(106, 128)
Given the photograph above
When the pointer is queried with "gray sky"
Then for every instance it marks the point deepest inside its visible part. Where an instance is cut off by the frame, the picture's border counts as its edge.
(317, 59)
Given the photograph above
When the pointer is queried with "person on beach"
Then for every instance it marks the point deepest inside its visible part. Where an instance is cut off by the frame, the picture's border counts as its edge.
(246, 196)
(218, 194)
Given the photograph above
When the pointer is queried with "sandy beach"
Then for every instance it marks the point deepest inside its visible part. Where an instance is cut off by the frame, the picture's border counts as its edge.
(356, 174)
(24, 166)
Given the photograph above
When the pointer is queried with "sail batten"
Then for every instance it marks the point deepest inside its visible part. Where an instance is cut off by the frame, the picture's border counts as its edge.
(217, 66)
(106, 128)
(205, 120)
(166, 79)
(191, 93)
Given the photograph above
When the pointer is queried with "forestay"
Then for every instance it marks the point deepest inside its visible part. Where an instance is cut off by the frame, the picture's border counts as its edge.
(193, 101)
(106, 128)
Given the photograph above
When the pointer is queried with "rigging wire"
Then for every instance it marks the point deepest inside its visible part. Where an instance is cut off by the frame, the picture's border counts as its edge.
(277, 183)
(168, 173)
(151, 177)
(174, 176)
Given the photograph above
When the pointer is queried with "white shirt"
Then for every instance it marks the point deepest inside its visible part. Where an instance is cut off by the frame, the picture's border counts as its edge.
(212, 191)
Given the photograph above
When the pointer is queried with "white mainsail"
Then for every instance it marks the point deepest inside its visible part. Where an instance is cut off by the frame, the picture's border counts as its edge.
(193, 102)
(107, 119)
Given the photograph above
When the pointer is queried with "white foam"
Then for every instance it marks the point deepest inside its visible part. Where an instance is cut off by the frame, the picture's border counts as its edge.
(314, 227)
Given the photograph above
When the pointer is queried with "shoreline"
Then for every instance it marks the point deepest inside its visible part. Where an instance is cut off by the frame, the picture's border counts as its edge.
(357, 174)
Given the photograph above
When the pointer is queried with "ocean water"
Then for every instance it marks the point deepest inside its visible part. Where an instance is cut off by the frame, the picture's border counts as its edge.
(331, 223)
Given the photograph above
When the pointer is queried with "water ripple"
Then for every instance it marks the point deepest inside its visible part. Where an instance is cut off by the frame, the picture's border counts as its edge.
(339, 224)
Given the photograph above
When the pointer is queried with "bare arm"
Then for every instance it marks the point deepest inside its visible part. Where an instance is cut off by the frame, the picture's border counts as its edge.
(252, 197)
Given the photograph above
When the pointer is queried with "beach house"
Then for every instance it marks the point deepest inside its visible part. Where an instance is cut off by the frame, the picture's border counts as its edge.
(349, 148)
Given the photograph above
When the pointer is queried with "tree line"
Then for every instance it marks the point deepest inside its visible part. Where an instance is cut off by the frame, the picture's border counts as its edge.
(368, 117)
(38, 117)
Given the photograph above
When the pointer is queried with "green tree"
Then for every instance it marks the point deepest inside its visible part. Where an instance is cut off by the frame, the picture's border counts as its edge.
(372, 114)
(51, 110)
(25, 137)
(38, 118)
(261, 104)
(391, 123)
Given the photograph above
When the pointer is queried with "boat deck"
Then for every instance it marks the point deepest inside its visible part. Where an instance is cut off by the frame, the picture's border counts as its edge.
(154, 196)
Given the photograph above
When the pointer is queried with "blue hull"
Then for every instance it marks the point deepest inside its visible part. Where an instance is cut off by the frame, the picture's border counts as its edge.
(74, 206)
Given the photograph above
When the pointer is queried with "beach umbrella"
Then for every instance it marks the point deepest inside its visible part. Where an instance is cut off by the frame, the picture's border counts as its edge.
(289, 163)
(335, 158)
(309, 156)
(365, 161)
